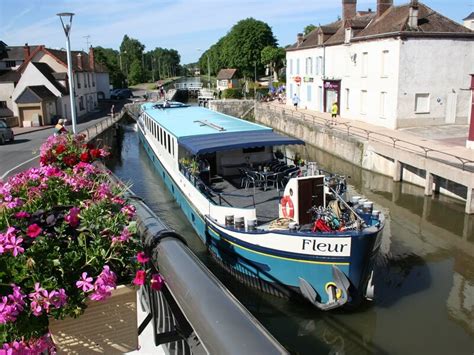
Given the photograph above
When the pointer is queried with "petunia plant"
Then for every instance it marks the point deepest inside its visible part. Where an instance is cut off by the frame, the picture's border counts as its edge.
(67, 238)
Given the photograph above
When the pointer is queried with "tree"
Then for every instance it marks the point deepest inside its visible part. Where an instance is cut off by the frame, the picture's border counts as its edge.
(109, 58)
(241, 47)
(308, 29)
(130, 50)
(136, 74)
(274, 57)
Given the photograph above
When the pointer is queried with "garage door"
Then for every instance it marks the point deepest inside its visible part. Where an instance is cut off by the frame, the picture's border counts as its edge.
(27, 114)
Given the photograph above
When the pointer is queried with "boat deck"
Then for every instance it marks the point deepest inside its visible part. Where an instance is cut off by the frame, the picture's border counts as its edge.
(266, 202)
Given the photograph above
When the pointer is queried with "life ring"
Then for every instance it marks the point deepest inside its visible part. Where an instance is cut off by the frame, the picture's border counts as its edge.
(287, 207)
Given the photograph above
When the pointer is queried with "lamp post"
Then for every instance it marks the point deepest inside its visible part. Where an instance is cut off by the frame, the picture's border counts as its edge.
(66, 21)
(208, 69)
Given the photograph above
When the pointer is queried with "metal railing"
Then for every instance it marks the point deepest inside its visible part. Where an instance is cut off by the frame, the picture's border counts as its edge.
(194, 313)
(427, 152)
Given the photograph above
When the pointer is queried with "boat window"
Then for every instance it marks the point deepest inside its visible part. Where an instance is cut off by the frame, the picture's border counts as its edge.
(253, 150)
(172, 145)
(169, 144)
(161, 136)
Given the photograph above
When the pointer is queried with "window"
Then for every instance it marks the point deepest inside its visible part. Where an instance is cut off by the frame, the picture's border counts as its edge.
(363, 101)
(10, 63)
(385, 65)
(88, 79)
(309, 66)
(169, 144)
(81, 103)
(383, 104)
(291, 66)
(422, 103)
(93, 79)
(316, 65)
(347, 98)
(365, 63)
(308, 93)
(78, 81)
(3, 104)
(298, 66)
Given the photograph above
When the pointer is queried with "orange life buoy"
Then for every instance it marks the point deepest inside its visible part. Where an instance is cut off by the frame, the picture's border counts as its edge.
(298, 79)
(287, 202)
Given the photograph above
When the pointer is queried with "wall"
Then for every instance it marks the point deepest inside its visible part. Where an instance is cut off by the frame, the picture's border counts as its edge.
(103, 84)
(440, 68)
(234, 108)
(6, 91)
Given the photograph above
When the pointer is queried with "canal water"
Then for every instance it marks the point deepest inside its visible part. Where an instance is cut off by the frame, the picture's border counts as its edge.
(424, 278)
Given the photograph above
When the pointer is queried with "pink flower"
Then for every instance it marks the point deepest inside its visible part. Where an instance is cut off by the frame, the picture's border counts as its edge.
(128, 210)
(157, 282)
(14, 245)
(85, 283)
(73, 217)
(142, 258)
(58, 298)
(22, 214)
(33, 230)
(139, 278)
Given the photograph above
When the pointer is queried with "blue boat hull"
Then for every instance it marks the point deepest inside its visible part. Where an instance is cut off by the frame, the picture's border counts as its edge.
(280, 272)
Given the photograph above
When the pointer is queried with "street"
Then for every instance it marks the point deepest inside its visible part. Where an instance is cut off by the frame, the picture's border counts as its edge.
(24, 152)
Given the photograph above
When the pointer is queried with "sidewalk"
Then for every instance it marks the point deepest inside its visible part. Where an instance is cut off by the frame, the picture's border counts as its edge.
(449, 139)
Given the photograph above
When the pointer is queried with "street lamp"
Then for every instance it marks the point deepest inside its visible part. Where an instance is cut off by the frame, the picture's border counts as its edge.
(208, 69)
(66, 21)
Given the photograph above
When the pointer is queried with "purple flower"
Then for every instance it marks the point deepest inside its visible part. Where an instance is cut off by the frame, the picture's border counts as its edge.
(157, 282)
(39, 300)
(22, 214)
(73, 217)
(14, 245)
(85, 283)
(58, 298)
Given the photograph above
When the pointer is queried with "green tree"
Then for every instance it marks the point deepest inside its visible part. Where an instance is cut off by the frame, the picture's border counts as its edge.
(130, 50)
(308, 29)
(273, 57)
(136, 74)
(241, 47)
(108, 57)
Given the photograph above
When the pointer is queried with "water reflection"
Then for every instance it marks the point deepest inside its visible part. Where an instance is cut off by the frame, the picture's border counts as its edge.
(424, 277)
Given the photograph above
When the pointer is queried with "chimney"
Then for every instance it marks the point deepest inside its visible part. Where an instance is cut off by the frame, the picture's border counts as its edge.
(79, 61)
(413, 15)
(299, 39)
(26, 51)
(91, 59)
(382, 6)
(348, 9)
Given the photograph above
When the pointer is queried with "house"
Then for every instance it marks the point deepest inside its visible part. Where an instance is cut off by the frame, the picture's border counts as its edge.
(398, 66)
(11, 57)
(227, 79)
(469, 21)
(28, 91)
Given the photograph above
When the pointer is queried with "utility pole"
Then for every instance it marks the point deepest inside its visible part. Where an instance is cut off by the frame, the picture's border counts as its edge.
(87, 40)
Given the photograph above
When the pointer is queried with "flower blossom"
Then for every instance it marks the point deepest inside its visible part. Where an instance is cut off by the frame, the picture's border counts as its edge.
(58, 298)
(73, 217)
(85, 283)
(157, 282)
(39, 300)
(10, 242)
(33, 230)
(128, 210)
(139, 278)
(22, 214)
(142, 258)
(11, 305)
(104, 284)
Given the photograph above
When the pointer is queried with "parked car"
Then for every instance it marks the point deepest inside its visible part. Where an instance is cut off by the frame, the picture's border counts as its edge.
(119, 94)
(6, 133)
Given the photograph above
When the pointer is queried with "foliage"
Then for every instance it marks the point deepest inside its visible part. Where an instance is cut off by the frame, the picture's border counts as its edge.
(274, 57)
(308, 29)
(232, 94)
(136, 74)
(67, 237)
(110, 58)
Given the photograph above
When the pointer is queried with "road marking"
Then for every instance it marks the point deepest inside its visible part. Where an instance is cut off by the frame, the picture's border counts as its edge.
(17, 166)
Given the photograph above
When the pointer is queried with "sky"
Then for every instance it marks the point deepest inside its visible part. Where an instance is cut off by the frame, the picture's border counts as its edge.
(184, 25)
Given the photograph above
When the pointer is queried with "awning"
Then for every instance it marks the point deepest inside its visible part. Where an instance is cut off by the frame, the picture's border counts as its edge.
(209, 143)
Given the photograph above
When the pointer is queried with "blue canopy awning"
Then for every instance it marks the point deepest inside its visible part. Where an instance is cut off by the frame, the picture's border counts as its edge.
(209, 143)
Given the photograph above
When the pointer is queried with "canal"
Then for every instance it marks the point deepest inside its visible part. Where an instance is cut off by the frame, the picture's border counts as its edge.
(424, 278)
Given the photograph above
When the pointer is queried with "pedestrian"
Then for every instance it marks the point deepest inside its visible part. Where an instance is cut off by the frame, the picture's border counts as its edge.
(60, 127)
(295, 101)
(219, 93)
(112, 111)
(334, 110)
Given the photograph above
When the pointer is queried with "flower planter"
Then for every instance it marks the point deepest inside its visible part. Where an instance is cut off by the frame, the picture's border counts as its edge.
(107, 327)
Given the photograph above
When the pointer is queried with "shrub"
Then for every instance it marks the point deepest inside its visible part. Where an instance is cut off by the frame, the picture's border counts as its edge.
(232, 94)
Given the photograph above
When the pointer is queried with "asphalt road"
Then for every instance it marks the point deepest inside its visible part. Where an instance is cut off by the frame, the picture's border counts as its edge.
(24, 152)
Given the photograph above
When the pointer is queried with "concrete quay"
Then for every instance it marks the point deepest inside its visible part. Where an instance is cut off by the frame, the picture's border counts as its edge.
(433, 157)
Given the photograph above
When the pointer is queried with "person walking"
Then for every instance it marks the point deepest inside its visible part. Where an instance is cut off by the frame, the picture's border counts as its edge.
(60, 127)
(296, 101)
(334, 110)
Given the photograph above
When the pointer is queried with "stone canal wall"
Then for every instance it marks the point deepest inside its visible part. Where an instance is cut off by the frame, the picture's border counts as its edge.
(236, 108)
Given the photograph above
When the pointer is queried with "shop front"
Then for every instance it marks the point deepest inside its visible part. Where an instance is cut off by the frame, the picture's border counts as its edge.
(332, 93)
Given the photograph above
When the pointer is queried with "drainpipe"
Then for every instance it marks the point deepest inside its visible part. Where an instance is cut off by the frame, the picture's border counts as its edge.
(470, 138)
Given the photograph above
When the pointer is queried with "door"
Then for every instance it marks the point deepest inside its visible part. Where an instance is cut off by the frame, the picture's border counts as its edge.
(451, 104)
(331, 97)
(27, 114)
(310, 193)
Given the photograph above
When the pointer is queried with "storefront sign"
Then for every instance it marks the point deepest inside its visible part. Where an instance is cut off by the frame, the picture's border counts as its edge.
(332, 85)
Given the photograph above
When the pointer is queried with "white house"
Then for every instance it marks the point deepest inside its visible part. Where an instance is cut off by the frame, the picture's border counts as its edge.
(469, 21)
(400, 66)
(43, 75)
